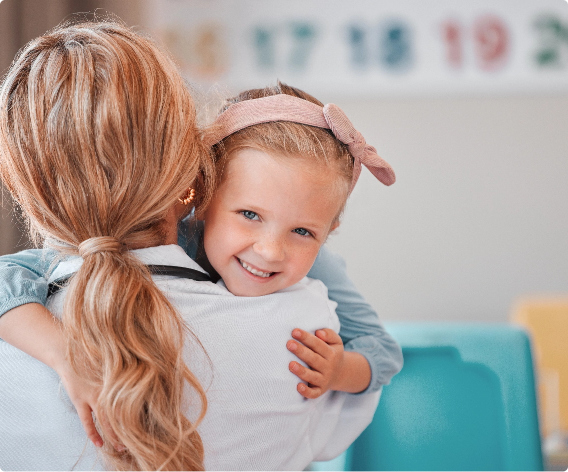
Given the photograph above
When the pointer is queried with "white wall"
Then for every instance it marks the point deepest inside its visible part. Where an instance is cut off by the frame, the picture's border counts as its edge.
(478, 215)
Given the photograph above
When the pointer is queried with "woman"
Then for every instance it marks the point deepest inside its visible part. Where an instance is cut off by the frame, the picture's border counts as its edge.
(97, 128)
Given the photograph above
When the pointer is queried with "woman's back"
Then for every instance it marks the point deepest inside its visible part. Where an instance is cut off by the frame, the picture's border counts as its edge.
(256, 419)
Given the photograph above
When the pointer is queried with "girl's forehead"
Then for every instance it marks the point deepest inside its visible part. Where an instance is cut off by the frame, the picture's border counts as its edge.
(257, 161)
(258, 176)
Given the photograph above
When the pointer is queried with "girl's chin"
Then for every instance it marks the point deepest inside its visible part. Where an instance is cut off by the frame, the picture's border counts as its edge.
(247, 286)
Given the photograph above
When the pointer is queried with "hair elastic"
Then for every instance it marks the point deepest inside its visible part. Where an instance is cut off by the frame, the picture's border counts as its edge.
(283, 107)
(99, 244)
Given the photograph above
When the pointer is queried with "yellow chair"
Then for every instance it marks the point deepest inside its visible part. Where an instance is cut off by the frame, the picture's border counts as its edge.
(546, 320)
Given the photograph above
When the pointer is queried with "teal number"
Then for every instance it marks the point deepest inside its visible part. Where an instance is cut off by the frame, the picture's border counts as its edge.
(303, 35)
(395, 46)
(264, 47)
(357, 36)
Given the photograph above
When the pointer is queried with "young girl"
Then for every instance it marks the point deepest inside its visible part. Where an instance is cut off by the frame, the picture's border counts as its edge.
(271, 261)
(278, 151)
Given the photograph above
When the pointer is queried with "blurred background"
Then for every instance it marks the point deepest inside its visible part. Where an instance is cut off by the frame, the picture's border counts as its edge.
(467, 100)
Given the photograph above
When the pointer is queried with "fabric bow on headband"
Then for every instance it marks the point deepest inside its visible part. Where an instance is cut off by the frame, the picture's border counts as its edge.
(285, 107)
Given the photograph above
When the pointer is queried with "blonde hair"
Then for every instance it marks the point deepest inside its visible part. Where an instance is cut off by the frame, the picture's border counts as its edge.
(98, 139)
(288, 139)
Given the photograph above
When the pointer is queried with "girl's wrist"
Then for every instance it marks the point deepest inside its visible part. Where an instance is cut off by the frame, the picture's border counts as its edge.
(354, 375)
(56, 357)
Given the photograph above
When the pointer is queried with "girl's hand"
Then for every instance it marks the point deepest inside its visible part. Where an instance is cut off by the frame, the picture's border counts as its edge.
(84, 397)
(323, 353)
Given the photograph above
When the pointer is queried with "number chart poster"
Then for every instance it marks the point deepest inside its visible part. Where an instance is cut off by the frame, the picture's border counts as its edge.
(369, 47)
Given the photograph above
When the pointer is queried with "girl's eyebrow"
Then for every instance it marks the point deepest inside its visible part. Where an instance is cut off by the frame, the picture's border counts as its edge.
(255, 208)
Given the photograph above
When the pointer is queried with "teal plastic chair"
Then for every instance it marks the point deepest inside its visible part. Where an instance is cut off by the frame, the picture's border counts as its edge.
(464, 400)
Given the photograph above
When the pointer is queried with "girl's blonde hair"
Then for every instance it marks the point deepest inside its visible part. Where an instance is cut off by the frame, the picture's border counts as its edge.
(98, 139)
(289, 139)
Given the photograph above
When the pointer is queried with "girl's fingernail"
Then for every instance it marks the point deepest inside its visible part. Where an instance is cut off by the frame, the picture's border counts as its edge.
(292, 346)
(320, 333)
(99, 443)
(296, 333)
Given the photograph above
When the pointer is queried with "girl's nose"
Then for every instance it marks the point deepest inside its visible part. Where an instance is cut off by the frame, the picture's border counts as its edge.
(271, 249)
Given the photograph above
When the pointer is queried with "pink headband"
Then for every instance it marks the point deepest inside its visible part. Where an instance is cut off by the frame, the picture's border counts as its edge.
(285, 107)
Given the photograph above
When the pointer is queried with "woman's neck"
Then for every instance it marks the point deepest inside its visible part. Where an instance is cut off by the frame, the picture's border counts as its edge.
(170, 226)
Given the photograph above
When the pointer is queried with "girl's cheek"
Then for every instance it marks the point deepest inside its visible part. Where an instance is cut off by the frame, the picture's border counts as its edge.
(306, 256)
(242, 234)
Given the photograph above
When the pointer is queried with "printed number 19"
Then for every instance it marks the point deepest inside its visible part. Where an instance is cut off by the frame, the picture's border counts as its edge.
(490, 40)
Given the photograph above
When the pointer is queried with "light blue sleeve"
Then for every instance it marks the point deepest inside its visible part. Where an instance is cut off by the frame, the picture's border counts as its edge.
(23, 278)
(361, 330)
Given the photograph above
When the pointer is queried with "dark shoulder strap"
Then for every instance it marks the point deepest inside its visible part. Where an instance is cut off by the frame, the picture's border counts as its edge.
(181, 272)
(174, 271)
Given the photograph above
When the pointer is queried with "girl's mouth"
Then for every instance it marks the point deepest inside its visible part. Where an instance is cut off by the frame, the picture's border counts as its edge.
(254, 271)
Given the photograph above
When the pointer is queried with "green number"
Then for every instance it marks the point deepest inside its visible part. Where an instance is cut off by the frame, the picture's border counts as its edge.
(553, 47)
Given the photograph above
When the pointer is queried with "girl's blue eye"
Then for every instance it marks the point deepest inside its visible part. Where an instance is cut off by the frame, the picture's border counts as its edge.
(249, 215)
(302, 232)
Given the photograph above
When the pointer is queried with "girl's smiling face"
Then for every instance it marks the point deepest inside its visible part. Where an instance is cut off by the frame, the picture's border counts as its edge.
(268, 219)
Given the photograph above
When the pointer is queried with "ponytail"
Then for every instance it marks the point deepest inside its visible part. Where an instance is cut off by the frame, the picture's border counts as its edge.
(137, 336)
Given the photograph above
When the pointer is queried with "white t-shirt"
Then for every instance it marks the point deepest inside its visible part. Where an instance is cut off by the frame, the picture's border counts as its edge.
(256, 419)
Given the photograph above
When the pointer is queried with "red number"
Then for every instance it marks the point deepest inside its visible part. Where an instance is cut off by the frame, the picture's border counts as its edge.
(452, 32)
(491, 42)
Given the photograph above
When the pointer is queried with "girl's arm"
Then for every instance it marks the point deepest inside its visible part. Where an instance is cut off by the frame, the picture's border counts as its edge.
(23, 278)
(24, 321)
(26, 324)
(361, 331)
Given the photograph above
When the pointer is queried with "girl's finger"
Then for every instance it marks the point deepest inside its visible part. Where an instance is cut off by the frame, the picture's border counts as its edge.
(311, 341)
(314, 360)
(309, 392)
(329, 336)
(86, 417)
(307, 375)
(105, 425)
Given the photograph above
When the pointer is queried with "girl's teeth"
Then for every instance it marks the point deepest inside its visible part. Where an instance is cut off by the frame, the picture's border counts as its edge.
(254, 271)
